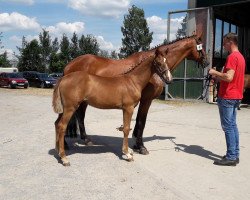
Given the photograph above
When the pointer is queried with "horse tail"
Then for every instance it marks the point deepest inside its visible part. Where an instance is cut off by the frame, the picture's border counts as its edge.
(57, 101)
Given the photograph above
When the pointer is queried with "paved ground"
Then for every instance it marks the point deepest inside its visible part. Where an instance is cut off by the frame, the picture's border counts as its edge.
(183, 139)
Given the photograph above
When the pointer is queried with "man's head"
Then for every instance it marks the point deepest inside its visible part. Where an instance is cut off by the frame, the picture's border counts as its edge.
(230, 41)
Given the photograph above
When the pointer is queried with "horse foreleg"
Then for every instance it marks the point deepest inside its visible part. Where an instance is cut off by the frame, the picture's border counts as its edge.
(150, 92)
(140, 125)
(80, 114)
(127, 115)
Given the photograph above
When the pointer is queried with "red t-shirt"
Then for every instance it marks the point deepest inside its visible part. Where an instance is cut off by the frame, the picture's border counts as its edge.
(234, 89)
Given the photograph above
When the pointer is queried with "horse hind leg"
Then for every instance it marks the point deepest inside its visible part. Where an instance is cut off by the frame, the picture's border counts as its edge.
(57, 138)
(56, 131)
(61, 126)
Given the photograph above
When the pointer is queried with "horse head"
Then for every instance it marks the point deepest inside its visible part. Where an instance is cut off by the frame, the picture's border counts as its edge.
(197, 53)
(161, 66)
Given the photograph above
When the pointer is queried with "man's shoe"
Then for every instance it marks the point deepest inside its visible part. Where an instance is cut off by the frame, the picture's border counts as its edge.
(225, 162)
(237, 159)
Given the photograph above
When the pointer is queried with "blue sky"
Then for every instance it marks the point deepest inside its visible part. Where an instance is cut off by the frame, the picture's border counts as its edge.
(101, 18)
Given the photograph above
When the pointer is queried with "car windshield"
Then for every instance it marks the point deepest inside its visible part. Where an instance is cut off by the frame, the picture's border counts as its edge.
(57, 75)
(14, 75)
(44, 75)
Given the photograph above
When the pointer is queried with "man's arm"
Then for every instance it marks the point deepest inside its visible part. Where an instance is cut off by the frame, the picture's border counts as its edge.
(228, 76)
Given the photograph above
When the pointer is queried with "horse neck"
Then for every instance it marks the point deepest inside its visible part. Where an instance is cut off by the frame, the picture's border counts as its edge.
(141, 74)
(178, 51)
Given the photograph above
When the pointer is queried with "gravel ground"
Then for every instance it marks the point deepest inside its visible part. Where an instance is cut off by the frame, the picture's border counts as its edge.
(184, 138)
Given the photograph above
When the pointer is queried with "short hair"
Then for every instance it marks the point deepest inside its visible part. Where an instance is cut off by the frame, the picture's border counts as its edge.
(231, 37)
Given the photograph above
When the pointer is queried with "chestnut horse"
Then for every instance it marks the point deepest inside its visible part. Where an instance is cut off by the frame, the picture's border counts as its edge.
(120, 92)
(178, 50)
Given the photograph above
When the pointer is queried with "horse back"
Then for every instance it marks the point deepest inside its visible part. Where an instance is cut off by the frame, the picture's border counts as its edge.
(102, 66)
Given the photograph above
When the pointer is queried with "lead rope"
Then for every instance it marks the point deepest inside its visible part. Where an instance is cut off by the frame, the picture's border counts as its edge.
(207, 78)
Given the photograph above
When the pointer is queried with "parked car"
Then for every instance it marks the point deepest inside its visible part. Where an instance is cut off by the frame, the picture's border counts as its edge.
(13, 80)
(56, 75)
(37, 79)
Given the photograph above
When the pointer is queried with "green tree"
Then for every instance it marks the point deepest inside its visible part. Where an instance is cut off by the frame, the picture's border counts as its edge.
(107, 54)
(65, 49)
(181, 32)
(56, 64)
(114, 55)
(4, 62)
(55, 45)
(136, 34)
(30, 56)
(74, 48)
(46, 50)
(88, 45)
(104, 53)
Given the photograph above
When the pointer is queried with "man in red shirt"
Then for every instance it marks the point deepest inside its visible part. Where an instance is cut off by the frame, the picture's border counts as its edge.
(230, 93)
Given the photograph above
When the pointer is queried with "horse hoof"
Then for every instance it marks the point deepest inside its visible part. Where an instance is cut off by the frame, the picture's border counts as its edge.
(88, 142)
(131, 152)
(65, 161)
(66, 164)
(130, 159)
(140, 149)
(143, 151)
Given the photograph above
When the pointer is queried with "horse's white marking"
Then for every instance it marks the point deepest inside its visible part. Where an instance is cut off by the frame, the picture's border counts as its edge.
(169, 75)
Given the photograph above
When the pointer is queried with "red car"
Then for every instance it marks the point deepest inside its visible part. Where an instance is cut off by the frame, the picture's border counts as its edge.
(13, 80)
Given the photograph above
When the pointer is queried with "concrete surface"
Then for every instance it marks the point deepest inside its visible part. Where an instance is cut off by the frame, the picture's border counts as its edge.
(183, 139)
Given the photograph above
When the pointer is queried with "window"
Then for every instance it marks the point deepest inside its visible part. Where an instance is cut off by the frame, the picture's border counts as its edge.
(222, 28)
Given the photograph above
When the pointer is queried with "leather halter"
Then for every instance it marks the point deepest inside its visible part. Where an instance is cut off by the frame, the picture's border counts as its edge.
(158, 69)
(199, 48)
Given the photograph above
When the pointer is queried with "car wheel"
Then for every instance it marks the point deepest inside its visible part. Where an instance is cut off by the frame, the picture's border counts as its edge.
(26, 86)
(12, 86)
(42, 85)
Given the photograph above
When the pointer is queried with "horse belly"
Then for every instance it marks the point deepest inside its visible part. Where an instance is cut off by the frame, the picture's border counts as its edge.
(105, 99)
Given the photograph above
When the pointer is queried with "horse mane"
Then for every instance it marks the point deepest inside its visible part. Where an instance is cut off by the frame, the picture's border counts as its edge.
(155, 47)
(173, 41)
(133, 67)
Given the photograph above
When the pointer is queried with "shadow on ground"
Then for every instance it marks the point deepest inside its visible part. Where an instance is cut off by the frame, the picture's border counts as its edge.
(197, 150)
(102, 144)
(105, 144)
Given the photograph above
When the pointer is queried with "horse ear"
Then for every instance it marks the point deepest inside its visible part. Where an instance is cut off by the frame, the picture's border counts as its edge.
(157, 52)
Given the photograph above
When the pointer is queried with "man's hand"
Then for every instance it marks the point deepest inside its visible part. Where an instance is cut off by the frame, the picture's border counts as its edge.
(213, 73)
(228, 76)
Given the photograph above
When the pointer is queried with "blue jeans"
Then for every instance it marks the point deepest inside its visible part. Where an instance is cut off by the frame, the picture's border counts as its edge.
(228, 110)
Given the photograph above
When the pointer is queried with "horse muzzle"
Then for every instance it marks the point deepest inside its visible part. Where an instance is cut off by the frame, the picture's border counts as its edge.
(167, 77)
(205, 63)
